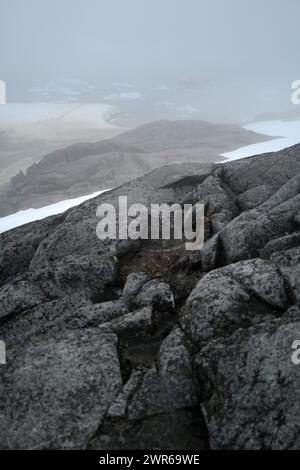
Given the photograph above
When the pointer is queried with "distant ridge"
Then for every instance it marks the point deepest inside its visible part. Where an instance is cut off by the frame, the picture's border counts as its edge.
(84, 168)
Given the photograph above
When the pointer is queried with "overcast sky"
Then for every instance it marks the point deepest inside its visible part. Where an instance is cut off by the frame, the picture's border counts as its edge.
(240, 54)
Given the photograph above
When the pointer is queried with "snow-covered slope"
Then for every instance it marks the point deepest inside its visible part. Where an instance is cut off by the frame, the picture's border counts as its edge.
(286, 133)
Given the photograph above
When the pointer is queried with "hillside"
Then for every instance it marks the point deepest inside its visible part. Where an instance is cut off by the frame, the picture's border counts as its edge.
(29, 131)
(84, 168)
(133, 345)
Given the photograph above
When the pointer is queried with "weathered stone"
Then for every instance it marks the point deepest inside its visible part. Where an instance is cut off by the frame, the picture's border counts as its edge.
(254, 197)
(138, 322)
(261, 278)
(170, 385)
(156, 294)
(247, 234)
(221, 208)
(250, 388)
(97, 314)
(74, 273)
(118, 408)
(210, 254)
(133, 285)
(289, 264)
(56, 390)
(233, 297)
(45, 318)
(18, 296)
(280, 244)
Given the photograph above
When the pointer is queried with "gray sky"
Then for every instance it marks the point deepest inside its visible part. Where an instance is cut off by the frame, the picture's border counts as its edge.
(217, 56)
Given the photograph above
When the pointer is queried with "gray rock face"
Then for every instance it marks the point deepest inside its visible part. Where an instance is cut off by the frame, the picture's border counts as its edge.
(19, 296)
(97, 314)
(168, 386)
(250, 388)
(156, 294)
(138, 322)
(114, 345)
(221, 206)
(44, 318)
(252, 230)
(18, 247)
(56, 390)
(288, 263)
(210, 254)
(238, 295)
(134, 283)
(280, 244)
(159, 399)
(55, 280)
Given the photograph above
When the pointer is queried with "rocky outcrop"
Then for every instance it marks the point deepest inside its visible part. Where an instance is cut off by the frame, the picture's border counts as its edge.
(142, 345)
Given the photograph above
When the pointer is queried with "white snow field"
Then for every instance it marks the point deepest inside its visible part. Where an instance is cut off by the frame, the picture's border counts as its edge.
(287, 133)
(30, 215)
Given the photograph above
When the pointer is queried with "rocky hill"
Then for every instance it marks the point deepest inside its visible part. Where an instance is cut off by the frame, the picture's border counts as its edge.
(131, 345)
(82, 169)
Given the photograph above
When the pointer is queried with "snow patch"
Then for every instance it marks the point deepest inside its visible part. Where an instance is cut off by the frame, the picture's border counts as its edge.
(287, 133)
(30, 215)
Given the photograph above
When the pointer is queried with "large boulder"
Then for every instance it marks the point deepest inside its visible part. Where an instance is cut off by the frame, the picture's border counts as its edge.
(229, 298)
